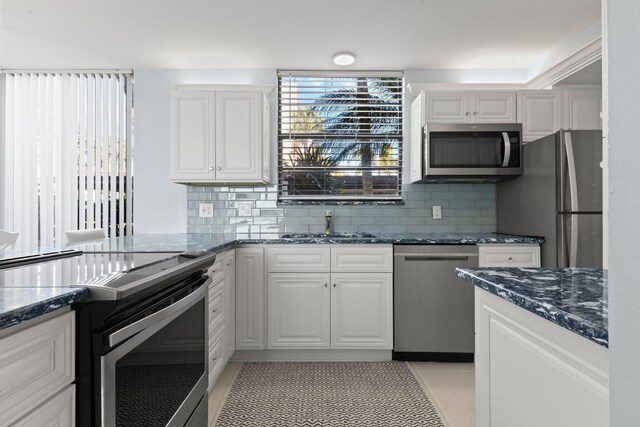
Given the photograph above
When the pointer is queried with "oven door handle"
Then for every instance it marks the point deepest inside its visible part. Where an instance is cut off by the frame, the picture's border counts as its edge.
(174, 309)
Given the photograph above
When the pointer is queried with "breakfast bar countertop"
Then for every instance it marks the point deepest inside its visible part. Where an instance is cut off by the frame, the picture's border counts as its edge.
(574, 298)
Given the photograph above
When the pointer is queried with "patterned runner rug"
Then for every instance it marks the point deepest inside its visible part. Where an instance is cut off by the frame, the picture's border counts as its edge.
(296, 394)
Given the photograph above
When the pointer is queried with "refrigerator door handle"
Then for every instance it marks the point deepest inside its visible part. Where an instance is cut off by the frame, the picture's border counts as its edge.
(573, 194)
(507, 149)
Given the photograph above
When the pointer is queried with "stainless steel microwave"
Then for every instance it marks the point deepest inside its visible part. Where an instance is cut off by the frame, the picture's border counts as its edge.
(472, 152)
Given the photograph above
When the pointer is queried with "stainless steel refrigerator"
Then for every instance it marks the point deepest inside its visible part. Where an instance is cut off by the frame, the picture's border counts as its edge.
(559, 197)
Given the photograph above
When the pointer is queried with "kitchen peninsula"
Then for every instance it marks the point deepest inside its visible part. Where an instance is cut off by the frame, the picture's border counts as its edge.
(541, 346)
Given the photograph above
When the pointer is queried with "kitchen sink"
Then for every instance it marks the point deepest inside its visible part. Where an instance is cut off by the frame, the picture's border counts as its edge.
(328, 236)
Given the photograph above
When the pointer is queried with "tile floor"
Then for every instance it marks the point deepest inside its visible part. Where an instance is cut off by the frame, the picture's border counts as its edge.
(450, 386)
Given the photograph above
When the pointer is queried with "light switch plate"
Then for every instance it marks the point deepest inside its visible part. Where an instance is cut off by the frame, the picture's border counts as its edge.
(437, 212)
(205, 210)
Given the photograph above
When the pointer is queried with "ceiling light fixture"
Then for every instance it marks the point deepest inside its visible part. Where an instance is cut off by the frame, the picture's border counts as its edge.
(344, 58)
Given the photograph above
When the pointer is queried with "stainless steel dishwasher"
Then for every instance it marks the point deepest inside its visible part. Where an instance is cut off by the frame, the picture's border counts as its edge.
(433, 308)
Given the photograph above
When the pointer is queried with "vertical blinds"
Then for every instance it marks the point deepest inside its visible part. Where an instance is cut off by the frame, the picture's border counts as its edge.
(67, 161)
(339, 135)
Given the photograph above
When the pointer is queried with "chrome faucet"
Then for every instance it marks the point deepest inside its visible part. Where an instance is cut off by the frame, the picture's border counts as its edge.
(329, 227)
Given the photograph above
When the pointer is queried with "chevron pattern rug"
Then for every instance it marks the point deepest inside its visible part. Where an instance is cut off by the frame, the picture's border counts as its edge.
(301, 394)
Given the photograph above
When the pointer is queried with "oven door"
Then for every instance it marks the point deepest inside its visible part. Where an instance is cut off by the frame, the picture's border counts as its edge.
(156, 372)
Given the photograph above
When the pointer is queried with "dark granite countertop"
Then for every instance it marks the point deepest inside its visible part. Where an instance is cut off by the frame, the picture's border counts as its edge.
(219, 241)
(574, 298)
(20, 304)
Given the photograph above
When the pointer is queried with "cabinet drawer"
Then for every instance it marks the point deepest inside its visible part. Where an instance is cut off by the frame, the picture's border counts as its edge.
(60, 410)
(296, 258)
(34, 365)
(509, 256)
(216, 271)
(216, 356)
(216, 308)
(361, 258)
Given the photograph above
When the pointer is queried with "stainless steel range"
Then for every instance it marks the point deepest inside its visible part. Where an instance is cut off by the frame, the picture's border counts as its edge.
(141, 339)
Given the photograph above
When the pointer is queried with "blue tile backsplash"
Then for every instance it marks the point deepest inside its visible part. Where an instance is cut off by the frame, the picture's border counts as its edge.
(248, 210)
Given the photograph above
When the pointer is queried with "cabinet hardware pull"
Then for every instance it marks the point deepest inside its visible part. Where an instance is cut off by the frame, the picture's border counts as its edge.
(214, 310)
(211, 168)
(335, 286)
(326, 285)
(219, 168)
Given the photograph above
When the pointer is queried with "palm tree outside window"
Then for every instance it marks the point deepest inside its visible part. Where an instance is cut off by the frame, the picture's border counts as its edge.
(340, 135)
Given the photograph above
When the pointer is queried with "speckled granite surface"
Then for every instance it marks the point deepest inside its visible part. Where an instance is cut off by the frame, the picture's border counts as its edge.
(219, 242)
(20, 304)
(24, 304)
(574, 298)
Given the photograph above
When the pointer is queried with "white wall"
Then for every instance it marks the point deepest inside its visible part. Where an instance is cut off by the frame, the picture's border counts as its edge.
(161, 206)
(623, 34)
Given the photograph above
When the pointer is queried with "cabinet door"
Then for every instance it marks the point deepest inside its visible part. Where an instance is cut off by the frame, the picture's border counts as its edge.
(298, 310)
(447, 107)
(521, 358)
(192, 134)
(250, 299)
(230, 294)
(582, 109)
(361, 310)
(539, 112)
(266, 140)
(238, 136)
(493, 107)
(55, 412)
(35, 363)
(417, 132)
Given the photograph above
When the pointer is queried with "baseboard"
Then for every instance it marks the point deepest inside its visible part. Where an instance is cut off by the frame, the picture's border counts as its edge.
(311, 355)
(416, 356)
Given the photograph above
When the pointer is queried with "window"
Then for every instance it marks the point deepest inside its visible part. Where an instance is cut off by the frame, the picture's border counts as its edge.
(66, 154)
(339, 135)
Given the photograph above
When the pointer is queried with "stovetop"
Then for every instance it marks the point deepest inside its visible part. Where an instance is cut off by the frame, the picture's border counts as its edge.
(109, 276)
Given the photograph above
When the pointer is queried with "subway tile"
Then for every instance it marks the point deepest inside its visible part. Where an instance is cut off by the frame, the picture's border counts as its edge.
(266, 204)
(290, 220)
(394, 228)
(247, 196)
(362, 220)
(313, 220)
(296, 211)
(412, 220)
(265, 220)
(386, 220)
(272, 212)
(484, 220)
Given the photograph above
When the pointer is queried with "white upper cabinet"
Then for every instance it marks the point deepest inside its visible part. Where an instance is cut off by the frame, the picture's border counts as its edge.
(470, 107)
(219, 135)
(582, 109)
(540, 113)
(543, 112)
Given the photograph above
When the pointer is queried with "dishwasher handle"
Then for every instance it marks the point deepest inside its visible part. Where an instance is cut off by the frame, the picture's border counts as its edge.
(436, 257)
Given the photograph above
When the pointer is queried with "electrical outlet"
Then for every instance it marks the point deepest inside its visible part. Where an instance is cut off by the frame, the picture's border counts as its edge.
(244, 208)
(205, 210)
(437, 212)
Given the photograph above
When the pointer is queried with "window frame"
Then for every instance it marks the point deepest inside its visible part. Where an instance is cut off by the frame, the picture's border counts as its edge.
(396, 196)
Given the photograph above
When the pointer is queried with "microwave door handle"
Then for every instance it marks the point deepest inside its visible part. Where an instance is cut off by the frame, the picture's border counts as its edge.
(507, 149)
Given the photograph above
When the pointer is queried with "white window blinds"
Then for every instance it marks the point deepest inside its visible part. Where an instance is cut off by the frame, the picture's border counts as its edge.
(340, 135)
(67, 160)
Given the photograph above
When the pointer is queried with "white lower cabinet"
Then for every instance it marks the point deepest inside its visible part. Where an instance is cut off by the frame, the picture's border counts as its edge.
(37, 367)
(508, 255)
(59, 411)
(531, 372)
(326, 307)
(298, 310)
(250, 299)
(362, 310)
(221, 313)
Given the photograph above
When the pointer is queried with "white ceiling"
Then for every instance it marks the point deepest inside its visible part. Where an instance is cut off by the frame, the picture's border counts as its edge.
(294, 34)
